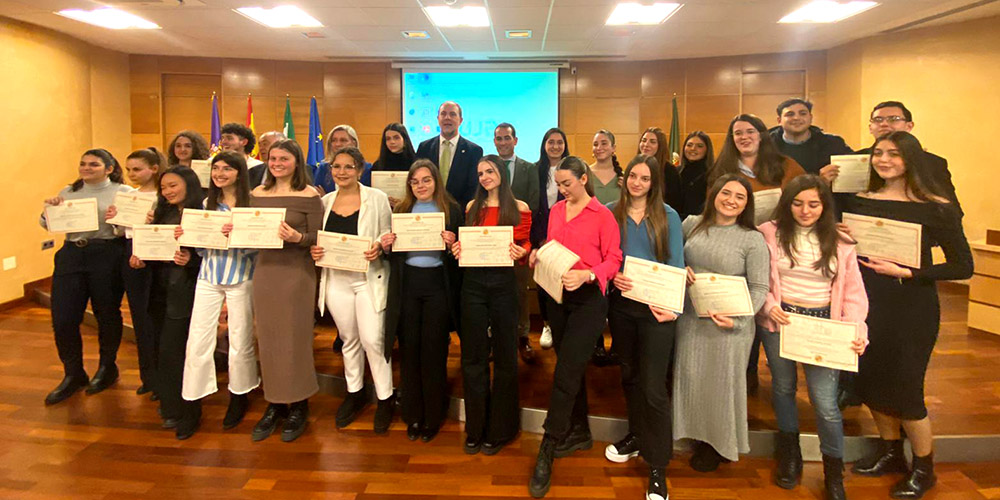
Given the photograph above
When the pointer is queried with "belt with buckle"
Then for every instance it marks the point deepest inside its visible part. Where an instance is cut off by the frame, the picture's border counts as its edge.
(81, 242)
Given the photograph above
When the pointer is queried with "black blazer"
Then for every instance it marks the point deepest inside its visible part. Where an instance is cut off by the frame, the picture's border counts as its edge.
(540, 217)
(452, 285)
(256, 175)
(462, 178)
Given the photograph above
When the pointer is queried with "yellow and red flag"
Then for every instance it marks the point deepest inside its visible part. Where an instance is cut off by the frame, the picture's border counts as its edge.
(256, 148)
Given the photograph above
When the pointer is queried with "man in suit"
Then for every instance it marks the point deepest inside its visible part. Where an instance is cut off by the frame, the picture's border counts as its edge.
(523, 179)
(456, 156)
(266, 140)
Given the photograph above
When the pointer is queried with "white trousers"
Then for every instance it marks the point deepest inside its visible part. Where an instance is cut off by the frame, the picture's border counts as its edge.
(360, 327)
(199, 363)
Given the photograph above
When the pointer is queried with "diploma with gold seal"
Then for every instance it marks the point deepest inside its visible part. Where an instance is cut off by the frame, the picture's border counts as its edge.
(343, 251)
(132, 208)
(72, 216)
(203, 169)
(720, 294)
(820, 342)
(551, 263)
(655, 284)
(154, 242)
(256, 228)
(416, 232)
(887, 239)
(203, 229)
(391, 183)
(485, 246)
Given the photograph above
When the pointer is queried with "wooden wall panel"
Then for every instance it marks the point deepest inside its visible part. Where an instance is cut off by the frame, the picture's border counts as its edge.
(715, 75)
(605, 79)
(619, 115)
(145, 113)
(711, 113)
(791, 83)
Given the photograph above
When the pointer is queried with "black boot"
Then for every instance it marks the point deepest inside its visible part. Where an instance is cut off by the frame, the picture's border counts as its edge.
(886, 460)
(269, 422)
(541, 478)
(579, 438)
(297, 421)
(657, 488)
(788, 453)
(833, 478)
(705, 458)
(238, 404)
(601, 356)
(354, 403)
(105, 376)
(383, 414)
(918, 481)
(189, 421)
(69, 385)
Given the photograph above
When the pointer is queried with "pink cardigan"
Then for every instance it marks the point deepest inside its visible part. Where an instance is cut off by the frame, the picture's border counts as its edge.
(848, 299)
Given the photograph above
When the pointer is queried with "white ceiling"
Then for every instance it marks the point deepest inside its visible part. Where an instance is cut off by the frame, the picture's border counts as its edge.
(563, 29)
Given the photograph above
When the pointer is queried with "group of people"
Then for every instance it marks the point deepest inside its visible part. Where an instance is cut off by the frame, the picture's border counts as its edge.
(697, 215)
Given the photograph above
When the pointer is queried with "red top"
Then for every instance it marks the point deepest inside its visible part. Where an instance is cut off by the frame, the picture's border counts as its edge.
(593, 235)
(522, 231)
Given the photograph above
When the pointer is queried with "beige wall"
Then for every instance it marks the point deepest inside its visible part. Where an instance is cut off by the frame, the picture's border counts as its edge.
(947, 76)
(61, 97)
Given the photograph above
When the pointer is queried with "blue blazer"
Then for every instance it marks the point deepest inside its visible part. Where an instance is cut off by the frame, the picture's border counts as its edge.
(462, 178)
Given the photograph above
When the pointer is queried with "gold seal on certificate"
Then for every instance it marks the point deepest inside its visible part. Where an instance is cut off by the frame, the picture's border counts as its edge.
(203, 229)
(416, 232)
(203, 169)
(72, 216)
(256, 228)
(853, 174)
(764, 203)
(132, 208)
(343, 251)
(391, 183)
(820, 342)
(154, 242)
(887, 239)
(486, 246)
(720, 294)
(655, 284)
(551, 263)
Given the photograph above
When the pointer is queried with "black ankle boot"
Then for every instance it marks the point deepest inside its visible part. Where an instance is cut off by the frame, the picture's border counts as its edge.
(919, 481)
(833, 478)
(238, 404)
(274, 413)
(105, 376)
(788, 453)
(297, 421)
(69, 385)
(189, 421)
(705, 458)
(354, 403)
(541, 478)
(579, 438)
(886, 460)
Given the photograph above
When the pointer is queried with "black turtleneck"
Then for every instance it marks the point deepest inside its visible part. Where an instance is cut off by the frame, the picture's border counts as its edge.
(394, 162)
(694, 188)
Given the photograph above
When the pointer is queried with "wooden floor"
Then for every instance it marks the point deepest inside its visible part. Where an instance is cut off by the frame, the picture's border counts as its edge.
(110, 446)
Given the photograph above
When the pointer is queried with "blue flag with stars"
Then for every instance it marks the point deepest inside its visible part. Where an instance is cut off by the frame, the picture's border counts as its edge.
(315, 141)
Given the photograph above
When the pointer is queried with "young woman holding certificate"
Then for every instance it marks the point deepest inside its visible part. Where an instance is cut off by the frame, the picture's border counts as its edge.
(422, 305)
(710, 397)
(588, 229)
(171, 298)
(357, 300)
(489, 319)
(814, 272)
(644, 334)
(225, 276)
(284, 294)
(905, 314)
(87, 268)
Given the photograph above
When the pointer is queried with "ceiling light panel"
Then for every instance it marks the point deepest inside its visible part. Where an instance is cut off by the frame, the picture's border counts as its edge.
(282, 16)
(827, 11)
(451, 17)
(637, 13)
(415, 35)
(109, 18)
(518, 34)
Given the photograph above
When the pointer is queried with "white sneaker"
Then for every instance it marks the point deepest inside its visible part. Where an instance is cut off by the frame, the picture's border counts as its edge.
(546, 338)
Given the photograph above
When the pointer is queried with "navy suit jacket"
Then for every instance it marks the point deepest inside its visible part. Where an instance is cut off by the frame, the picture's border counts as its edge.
(462, 178)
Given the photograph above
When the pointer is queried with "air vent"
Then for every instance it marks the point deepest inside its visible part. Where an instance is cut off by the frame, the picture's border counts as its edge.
(313, 34)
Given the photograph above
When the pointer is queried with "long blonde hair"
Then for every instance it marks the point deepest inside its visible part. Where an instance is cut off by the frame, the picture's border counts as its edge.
(656, 213)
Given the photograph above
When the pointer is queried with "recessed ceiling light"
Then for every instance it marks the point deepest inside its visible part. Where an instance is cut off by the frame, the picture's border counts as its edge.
(827, 11)
(109, 18)
(415, 35)
(282, 16)
(637, 13)
(519, 34)
(450, 17)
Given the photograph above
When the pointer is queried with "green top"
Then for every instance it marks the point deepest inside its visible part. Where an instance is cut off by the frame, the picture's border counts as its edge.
(607, 193)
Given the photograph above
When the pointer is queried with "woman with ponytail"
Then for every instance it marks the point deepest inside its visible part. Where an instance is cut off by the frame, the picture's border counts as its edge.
(607, 171)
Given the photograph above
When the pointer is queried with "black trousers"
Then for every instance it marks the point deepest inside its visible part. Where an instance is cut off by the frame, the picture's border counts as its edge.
(91, 273)
(576, 324)
(137, 284)
(489, 301)
(644, 347)
(423, 340)
(172, 334)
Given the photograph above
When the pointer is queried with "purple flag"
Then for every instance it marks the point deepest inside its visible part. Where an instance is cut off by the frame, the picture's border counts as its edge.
(216, 127)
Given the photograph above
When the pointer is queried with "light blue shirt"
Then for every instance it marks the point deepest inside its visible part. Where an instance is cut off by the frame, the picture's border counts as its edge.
(227, 267)
(426, 258)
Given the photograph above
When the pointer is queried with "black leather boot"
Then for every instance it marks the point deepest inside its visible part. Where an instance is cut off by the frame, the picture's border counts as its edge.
(541, 478)
(354, 403)
(69, 385)
(106, 376)
(887, 459)
(237, 409)
(833, 478)
(919, 481)
(297, 421)
(269, 422)
(189, 421)
(579, 438)
(788, 453)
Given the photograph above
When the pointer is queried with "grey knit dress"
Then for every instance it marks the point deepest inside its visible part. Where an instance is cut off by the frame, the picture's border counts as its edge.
(710, 393)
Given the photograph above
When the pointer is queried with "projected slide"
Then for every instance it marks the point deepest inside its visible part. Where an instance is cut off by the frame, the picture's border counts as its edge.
(529, 100)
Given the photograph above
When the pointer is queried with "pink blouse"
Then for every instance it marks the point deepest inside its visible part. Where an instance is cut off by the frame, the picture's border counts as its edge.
(593, 235)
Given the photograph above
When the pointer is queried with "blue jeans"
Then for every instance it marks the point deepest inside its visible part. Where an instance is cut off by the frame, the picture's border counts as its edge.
(822, 384)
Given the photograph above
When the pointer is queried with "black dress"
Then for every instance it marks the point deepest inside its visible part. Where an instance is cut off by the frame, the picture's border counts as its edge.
(904, 315)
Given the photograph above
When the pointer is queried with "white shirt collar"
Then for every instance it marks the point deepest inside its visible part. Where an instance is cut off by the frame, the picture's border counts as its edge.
(453, 141)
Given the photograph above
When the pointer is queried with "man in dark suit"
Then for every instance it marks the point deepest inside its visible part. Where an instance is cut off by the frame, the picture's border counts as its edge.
(456, 156)
(257, 172)
(523, 179)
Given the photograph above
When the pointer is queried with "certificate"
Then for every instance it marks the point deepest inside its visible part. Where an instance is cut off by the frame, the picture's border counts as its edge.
(391, 183)
(343, 251)
(656, 284)
(820, 342)
(132, 208)
(721, 294)
(418, 231)
(764, 203)
(853, 175)
(256, 228)
(154, 242)
(887, 239)
(72, 216)
(486, 246)
(551, 263)
(203, 169)
(203, 229)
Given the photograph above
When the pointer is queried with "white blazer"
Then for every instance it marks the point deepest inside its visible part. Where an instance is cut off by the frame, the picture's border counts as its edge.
(374, 220)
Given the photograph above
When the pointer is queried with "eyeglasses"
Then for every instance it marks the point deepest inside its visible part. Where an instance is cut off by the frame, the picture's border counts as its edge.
(891, 119)
(348, 168)
(422, 182)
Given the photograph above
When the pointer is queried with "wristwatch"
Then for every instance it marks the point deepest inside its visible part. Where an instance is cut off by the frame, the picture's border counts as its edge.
(592, 278)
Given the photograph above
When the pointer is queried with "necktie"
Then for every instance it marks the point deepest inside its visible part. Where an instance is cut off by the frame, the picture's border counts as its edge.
(445, 164)
(510, 172)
